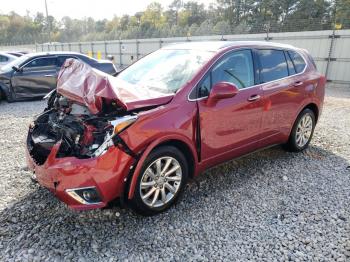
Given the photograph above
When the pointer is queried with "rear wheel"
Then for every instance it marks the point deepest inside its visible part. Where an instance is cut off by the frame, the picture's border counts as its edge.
(161, 181)
(302, 131)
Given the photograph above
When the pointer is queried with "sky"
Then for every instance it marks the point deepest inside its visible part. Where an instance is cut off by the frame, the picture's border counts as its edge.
(100, 9)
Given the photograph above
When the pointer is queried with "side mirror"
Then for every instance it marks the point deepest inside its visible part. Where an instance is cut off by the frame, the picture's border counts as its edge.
(17, 69)
(222, 90)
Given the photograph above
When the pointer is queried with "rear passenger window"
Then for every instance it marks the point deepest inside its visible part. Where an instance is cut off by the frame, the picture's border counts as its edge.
(273, 65)
(298, 61)
(62, 59)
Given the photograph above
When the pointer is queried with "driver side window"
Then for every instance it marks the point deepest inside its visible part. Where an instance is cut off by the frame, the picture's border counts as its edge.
(236, 68)
(41, 62)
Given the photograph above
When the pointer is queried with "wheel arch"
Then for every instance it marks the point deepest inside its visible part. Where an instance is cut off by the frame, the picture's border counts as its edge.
(185, 149)
(182, 143)
(313, 107)
(5, 90)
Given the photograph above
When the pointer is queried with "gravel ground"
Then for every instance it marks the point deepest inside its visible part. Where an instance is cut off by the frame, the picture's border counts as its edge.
(271, 205)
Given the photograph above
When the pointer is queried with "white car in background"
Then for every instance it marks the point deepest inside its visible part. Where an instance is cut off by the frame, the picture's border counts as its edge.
(6, 58)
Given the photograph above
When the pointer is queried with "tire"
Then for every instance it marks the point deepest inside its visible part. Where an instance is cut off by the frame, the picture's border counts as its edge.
(9, 98)
(6, 96)
(3, 95)
(302, 132)
(160, 191)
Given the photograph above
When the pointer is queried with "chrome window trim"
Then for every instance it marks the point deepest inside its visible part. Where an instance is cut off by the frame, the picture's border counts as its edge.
(282, 49)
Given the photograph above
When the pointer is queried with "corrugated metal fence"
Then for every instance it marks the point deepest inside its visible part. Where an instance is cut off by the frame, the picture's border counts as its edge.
(330, 49)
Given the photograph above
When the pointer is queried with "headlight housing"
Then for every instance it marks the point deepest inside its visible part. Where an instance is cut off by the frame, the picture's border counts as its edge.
(119, 125)
(122, 123)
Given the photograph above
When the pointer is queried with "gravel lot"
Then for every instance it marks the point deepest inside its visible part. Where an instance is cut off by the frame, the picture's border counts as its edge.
(271, 205)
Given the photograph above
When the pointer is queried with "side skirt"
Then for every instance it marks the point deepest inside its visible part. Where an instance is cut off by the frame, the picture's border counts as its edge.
(238, 157)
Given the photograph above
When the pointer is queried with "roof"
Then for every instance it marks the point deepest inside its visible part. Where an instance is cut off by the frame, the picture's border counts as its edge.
(215, 46)
(54, 53)
(4, 53)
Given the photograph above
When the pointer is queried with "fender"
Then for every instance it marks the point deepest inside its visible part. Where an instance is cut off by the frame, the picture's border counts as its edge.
(150, 147)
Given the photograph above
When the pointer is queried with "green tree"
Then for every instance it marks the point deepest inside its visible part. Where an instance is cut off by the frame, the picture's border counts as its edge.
(343, 13)
(181, 18)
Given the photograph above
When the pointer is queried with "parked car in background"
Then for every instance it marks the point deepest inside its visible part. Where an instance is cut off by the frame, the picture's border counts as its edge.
(17, 54)
(34, 75)
(6, 58)
(168, 117)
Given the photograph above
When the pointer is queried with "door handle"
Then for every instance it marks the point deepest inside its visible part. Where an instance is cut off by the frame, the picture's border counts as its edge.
(49, 75)
(253, 98)
(298, 83)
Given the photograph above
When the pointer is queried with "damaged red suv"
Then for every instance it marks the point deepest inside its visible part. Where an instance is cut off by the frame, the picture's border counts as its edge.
(138, 137)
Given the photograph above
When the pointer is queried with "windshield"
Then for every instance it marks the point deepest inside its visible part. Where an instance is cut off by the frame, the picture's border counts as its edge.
(17, 62)
(165, 71)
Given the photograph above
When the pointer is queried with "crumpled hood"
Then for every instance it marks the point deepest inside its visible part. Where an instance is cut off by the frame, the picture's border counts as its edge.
(88, 86)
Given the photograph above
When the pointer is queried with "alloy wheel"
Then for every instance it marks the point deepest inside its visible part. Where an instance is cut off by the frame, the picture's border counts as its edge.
(160, 182)
(304, 130)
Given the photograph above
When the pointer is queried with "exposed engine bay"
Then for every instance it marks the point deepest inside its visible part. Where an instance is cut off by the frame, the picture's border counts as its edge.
(86, 113)
(82, 134)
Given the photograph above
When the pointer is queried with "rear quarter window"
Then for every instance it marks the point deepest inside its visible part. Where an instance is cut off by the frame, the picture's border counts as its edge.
(290, 64)
(312, 61)
(298, 61)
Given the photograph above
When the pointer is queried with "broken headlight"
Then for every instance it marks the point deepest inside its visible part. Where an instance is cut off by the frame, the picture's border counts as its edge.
(122, 123)
(119, 125)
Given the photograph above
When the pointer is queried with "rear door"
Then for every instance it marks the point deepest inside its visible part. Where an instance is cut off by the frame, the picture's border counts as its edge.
(36, 78)
(283, 93)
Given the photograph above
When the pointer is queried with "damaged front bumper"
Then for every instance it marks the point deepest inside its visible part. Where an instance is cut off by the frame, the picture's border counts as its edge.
(83, 183)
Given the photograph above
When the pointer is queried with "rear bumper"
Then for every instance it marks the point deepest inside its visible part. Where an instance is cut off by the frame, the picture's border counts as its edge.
(60, 175)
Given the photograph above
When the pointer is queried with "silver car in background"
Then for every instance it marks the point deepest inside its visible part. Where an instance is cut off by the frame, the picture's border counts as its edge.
(6, 58)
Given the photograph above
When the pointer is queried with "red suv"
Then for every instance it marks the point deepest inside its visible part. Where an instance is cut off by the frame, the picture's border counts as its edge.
(138, 137)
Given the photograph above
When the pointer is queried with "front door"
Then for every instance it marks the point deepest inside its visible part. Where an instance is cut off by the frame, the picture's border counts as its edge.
(232, 126)
(36, 78)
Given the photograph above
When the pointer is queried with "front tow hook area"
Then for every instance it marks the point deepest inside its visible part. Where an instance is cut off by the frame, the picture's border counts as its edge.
(55, 185)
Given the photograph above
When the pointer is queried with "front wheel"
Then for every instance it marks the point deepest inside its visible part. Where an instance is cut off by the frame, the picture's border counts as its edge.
(161, 181)
(302, 131)
(2, 95)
